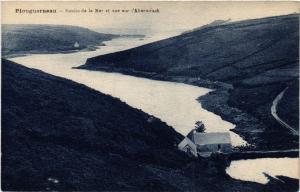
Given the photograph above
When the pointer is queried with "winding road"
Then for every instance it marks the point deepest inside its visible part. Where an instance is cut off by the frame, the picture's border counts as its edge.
(275, 115)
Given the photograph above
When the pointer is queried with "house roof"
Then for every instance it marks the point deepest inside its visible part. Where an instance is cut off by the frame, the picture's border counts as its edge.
(190, 135)
(211, 138)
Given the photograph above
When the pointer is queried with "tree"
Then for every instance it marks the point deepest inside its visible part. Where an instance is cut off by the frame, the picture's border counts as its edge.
(199, 126)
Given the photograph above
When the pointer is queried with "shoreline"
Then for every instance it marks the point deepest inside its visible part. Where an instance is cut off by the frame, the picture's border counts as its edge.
(207, 102)
(248, 127)
(92, 47)
(26, 53)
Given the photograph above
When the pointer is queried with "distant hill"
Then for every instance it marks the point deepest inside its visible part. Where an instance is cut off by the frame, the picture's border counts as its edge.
(20, 39)
(258, 57)
(229, 52)
(60, 135)
(214, 23)
(123, 31)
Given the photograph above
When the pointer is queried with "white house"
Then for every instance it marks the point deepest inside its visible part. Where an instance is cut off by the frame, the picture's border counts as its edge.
(76, 44)
(204, 144)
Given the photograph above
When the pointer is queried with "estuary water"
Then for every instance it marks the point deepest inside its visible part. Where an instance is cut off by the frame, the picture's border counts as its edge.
(173, 103)
(255, 169)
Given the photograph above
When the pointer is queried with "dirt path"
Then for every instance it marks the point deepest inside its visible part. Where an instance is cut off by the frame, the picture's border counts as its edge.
(275, 115)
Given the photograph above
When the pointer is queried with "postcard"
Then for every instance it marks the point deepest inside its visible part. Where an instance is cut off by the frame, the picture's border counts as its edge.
(150, 96)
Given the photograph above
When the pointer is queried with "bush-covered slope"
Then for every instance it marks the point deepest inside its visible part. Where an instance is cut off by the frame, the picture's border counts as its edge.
(19, 39)
(55, 128)
(258, 57)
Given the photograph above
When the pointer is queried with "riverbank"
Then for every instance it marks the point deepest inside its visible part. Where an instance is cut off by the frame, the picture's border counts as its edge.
(246, 77)
(261, 132)
(21, 39)
(93, 47)
(26, 53)
(253, 129)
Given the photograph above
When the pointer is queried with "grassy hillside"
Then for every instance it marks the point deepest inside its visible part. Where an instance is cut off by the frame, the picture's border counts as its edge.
(54, 128)
(19, 39)
(60, 135)
(229, 52)
(258, 58)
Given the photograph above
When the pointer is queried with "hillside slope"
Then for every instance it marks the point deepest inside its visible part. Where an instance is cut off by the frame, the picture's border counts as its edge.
(60, 135)
(259, 58)
(20, 39)
(54, 128)
(229, 52)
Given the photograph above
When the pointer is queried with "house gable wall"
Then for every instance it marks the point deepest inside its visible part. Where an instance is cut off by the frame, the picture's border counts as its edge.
(187, 145)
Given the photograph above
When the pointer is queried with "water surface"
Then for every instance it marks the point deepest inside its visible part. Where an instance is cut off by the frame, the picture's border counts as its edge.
(254, 169)
(173, 103)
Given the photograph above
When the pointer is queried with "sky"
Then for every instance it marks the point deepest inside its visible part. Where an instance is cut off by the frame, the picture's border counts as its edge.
(171, 16)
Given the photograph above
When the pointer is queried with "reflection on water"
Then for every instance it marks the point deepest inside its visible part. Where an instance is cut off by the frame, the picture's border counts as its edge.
(174, 103)
(253, 169)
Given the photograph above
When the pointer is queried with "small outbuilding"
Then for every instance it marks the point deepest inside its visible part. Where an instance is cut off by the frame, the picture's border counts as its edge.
(204, 144)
